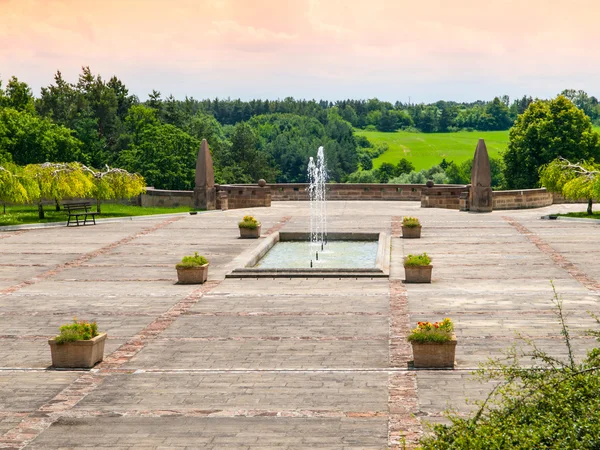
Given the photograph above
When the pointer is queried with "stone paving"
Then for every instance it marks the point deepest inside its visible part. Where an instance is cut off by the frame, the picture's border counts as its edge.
(273, 363)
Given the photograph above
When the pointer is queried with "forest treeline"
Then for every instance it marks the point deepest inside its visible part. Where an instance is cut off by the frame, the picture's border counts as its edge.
(98, 122)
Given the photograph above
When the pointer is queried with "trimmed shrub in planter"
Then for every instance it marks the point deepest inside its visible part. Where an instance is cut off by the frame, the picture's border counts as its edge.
(433, 344)
(249, 228)
(411, 228)
(192, 270)
(79, 345)
(417, 268)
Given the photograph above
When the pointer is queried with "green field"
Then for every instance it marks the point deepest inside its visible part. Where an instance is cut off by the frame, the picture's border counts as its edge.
(428, 149)
(19, 215)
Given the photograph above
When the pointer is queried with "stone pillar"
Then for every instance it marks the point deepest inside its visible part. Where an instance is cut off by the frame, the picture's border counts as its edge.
(205, 194)
(480, 194)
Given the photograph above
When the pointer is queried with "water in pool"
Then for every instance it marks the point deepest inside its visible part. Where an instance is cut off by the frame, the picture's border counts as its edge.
(335, 254)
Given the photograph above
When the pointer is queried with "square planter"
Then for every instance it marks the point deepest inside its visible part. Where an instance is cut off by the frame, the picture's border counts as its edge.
(411, 232)
(434, 354)
(80, 354)
(192, 275)
(418, 274)
(250, 233)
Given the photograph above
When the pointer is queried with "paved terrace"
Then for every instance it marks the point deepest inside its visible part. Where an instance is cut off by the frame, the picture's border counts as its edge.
(272, 363)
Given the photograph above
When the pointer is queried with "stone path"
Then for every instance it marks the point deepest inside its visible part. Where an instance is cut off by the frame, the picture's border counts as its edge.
(272, 363)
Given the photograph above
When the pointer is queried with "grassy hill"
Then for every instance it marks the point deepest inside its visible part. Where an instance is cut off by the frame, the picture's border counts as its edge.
(427, 149)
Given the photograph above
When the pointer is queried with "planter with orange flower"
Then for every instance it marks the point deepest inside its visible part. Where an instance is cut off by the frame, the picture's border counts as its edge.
(249, 228)
(433, 344)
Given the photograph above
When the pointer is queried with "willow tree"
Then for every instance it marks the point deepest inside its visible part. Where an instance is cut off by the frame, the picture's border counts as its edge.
(13, 186)
(112, 183)
(573, 180)
(56, 181)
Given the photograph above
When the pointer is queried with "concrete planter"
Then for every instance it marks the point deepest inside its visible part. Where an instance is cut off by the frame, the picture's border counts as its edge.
(80, 354)
(418, 274)
(434, 354)
(250, 233)
(411, 232)
(192, 275)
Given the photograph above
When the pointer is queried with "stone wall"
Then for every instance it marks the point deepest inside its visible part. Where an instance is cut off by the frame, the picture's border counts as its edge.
(447, 197)
(244, 196)
(343, 191)
(526, 198)
(158, 197)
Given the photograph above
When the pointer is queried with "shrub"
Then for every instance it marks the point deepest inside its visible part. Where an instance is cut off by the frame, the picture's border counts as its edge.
(432, 332)
(249, 222)
(553, 404)
(189, 262)
(77, 331)
(417, 260)
(410, 222)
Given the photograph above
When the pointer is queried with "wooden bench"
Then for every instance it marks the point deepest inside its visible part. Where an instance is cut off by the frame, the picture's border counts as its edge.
(80, 209)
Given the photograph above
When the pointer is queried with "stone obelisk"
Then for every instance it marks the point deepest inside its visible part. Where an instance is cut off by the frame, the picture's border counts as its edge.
(205, 194)
(480, 195)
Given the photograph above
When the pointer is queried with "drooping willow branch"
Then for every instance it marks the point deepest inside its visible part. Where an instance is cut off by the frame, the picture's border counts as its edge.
(578, 168)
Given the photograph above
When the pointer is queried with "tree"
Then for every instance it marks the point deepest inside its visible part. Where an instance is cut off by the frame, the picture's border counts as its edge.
(573, 181)
(11, 185)
(18, 96)
(55, 181)
(404, 166)
(544, 132)
(112, 183)
(32, 139)
(385, 171)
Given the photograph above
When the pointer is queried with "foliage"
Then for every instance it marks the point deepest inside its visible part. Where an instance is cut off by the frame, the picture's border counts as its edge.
(554, 404)
(362, 177)
(410, 222)
(432, 332)
(113, 183)
(435, 173)
(573, 181)
(12, 189)
(417, 260)
(190, 262)
(77, 331)
(249, 222)
(547, 130)
(461, 173)
(30, 139)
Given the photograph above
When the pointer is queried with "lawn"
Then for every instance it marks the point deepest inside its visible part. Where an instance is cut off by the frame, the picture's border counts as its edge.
(427, 149)
(583, 214)
(19, 215)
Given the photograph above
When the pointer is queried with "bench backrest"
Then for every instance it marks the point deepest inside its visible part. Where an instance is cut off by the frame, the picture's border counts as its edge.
(77, 206)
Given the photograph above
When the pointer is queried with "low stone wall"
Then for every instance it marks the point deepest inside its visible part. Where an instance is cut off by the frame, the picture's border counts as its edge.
(447, 197)
(159, 197)
(526, 198)
(243, 196)
(344, 191)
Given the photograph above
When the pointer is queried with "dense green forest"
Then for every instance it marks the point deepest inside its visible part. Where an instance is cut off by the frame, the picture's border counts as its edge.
(98, 122)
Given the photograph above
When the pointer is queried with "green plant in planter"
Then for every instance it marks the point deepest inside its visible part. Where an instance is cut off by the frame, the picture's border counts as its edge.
(249, 222)
(410, 222)
(432, 332)
(77, 331)
(417, 260)
(189, 262)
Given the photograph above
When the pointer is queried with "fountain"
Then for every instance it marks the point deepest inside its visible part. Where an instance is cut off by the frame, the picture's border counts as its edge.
(319, 252)
(317, 177)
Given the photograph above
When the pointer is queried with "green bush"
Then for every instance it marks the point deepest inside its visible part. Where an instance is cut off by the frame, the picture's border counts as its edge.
(432, 332)
(249, 222)
(189, 262)
(410, 222)
(552, 405)
(77, 331)
(417, 260)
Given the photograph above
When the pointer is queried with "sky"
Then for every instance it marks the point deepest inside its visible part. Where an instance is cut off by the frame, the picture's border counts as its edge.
(420, 50)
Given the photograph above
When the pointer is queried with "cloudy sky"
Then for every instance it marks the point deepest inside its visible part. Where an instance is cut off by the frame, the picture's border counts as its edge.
(391, 49)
